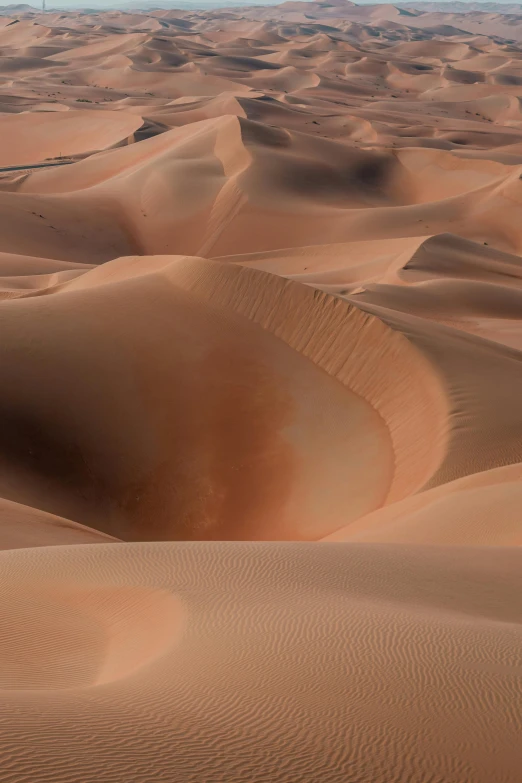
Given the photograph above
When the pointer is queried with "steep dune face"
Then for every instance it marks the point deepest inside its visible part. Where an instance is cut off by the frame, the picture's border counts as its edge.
(260, 383)
(242, 428)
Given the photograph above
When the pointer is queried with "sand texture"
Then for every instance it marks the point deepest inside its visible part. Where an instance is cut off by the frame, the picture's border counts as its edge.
(261, 394)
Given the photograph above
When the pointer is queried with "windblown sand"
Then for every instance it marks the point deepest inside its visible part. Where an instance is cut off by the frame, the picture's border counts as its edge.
(261, 395)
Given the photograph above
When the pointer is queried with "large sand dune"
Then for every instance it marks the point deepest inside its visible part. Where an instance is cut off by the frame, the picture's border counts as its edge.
(260, 395)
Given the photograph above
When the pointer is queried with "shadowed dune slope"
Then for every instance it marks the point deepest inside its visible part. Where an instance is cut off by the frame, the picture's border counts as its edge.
(196, 413)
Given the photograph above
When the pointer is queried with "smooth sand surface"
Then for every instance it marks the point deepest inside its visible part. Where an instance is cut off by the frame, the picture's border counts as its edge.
(260, 395)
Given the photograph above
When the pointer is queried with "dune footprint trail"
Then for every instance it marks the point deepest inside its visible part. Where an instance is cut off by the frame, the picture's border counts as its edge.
(261, 372)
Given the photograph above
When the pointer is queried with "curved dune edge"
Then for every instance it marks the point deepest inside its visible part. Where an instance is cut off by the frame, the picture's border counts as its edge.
(23, 526)
(357, 349)
(189, 420)
(482, 509)
(483, 383)
(358, 646)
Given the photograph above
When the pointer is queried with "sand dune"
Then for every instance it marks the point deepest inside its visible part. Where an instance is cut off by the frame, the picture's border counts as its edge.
(260, 420)
(46, 135)
(21, 526)
(125, 472)
(481, 509)
(294, 660)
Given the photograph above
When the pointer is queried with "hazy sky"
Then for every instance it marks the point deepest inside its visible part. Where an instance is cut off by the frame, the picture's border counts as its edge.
(202, 3)
(149, 3)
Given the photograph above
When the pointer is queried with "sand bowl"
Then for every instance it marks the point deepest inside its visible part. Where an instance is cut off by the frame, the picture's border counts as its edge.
(62, 636)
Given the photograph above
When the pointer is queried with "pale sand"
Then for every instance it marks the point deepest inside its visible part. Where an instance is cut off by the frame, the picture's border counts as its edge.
(260, 395)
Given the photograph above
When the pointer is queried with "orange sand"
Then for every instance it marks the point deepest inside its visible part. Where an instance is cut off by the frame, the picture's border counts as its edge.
(260, 399)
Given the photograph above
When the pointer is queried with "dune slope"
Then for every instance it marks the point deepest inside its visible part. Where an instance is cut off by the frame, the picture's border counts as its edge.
(293, 659)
